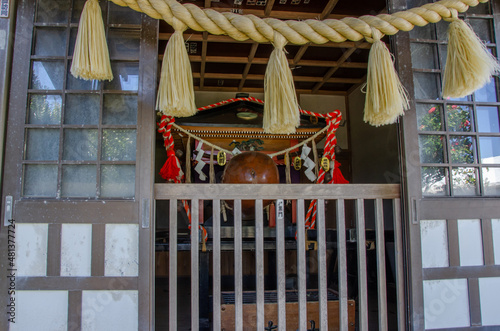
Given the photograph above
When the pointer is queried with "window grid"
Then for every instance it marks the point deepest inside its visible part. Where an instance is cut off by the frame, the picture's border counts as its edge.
(94, 88)
(471, 166)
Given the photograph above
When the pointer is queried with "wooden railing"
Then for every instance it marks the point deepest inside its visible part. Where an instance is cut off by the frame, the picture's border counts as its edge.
(339, 194)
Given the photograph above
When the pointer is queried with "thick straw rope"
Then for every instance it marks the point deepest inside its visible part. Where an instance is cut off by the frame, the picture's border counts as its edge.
(243, 27)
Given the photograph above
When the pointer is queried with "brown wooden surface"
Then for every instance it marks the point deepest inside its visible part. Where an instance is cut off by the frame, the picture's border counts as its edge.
(292, 315)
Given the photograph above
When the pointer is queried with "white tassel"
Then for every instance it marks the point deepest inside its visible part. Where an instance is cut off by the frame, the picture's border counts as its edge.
(91, 55)
(281, 109)
(176, 92)
(386, 97)
(469, 65)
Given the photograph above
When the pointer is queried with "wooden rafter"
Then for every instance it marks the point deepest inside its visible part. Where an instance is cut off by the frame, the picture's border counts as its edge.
(310, 79)
(251, 56)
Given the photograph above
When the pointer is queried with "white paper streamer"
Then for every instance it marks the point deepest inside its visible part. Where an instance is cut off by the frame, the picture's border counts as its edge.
(236, 151)
(308, 163)
(201, 164)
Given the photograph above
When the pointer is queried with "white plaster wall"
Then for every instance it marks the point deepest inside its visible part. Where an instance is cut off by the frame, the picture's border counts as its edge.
(41, 311)
(434, 238)
(110, 310)
(31, 249)
(76, 249)
(121, 251)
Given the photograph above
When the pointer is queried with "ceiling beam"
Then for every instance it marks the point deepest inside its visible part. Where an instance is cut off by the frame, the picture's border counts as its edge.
(261, 90)
(283, 15)
(226, 39)
(250, 58)
(328, 9)
(310, 79)
(269, 8)
(204, 46)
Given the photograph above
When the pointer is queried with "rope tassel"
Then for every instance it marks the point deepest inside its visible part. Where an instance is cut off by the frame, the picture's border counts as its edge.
(91, 55)
(176, 93)
(469, 65)
(386, 98)
(281, 110)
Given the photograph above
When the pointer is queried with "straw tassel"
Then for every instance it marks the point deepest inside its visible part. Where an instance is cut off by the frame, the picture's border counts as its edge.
(91, 55)
(469, 65)
(176, 93)
(281, 109)
(386, 98)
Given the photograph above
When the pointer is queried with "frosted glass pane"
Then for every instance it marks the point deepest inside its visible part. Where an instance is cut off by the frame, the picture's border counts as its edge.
(431, 148)
(429, 117)
(50, 42)
(124, 44)
(424, 56)
(79, 181)
(41, 311)
(119, 145)
(487, 119)
(101, 307)
(495, 229)
(77, 11)
(121, 253)
(82, 109)
(40, 180)
(42, 144)
(118, 181)
(446, 303)
(45, 109)
(73, 83)
(489, 292)
(52, 11)
(427, 86)
(434, 238)
(123, 15)
(80, 144)
(491, 181)
(47, 75)
(470, 242)
(465, 181)
(31, 249)
(120, 109)
(435, 181)
(126, 77)
(490, 149)
(483, 29)
(76, 250)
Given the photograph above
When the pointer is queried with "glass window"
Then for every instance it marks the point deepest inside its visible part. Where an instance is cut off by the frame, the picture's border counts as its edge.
(80, 137)
(429, 117)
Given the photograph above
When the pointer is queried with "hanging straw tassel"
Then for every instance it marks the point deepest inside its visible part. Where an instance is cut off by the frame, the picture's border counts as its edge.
(281, 109)
(91, 56)
(469, 65)
(176, 93)
(386, 98)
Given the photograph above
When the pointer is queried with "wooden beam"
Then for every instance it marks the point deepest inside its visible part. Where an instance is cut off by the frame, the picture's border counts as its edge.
(261, 90)
(226, 39)
(269, 8)
(204, 46)
(250, 58)
(328, 9)
(310, 79)
(299, 54)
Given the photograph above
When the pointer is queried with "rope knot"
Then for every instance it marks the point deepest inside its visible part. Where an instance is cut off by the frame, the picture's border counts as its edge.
(178, 25)
(279, 41)
(376, 36)
(453, 15)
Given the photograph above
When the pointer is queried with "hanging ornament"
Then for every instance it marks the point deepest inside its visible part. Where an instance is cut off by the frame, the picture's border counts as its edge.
(325, 164)
(221, 158)
(297, 163)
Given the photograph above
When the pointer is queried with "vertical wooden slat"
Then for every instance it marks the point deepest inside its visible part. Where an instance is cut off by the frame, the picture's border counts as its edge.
(323, 298)
(488, 248)
(195, 273)
(98, 239)
(216, 264)
(54, 250)
(238, 267)
(362, 278)
(259, 264)
(382, 286)
(172, 268)
(474, 302)
(280, 263)
(400, 284)
(342, 256)
(301, 265)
